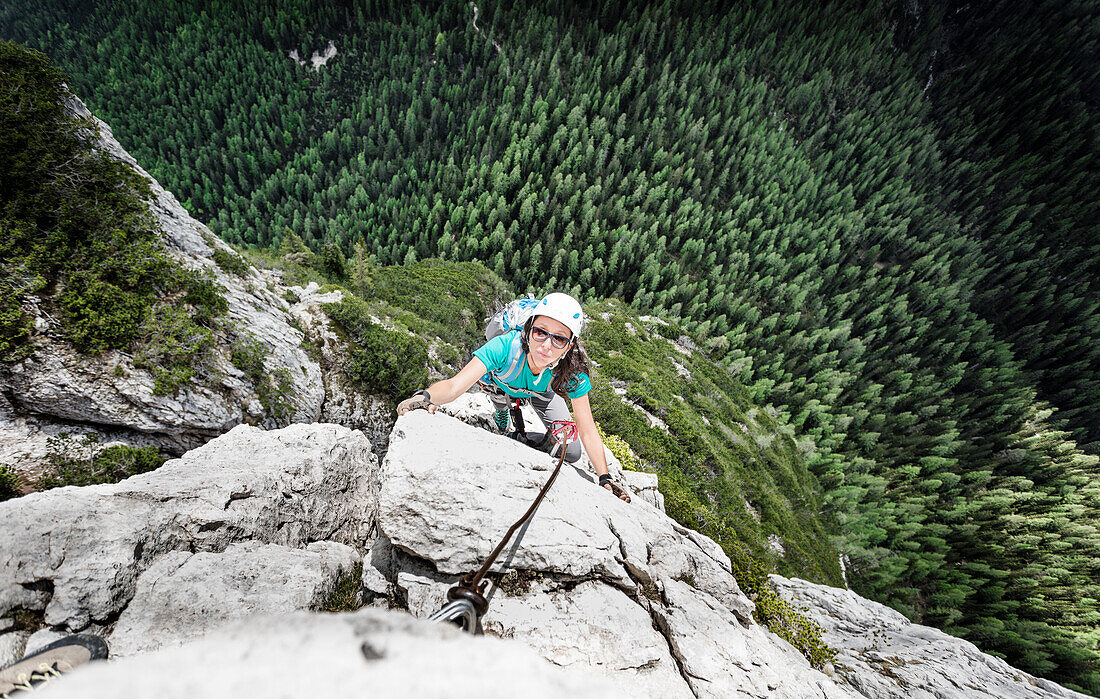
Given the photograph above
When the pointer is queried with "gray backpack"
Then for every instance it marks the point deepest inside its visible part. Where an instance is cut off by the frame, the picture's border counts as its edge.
(511, 317)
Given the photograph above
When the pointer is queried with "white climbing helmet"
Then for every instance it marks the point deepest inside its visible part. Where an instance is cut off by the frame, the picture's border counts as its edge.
(563, 308)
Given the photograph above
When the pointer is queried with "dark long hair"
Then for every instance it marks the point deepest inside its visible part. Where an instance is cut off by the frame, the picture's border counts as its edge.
(573, 362)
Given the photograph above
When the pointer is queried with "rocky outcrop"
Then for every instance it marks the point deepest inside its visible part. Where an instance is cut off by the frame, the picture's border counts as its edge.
(618, 589)
(77, 554)
(374, 653)
(882, 654)
(59, 386)
(178, 568)
(184, 595)
(343, 404)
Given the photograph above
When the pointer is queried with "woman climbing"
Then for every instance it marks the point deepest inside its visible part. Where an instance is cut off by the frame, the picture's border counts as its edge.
(542, 362)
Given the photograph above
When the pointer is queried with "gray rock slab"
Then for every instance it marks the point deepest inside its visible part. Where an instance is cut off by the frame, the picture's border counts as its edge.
(77, 552)
(186, 595)
(882, 654)
(721, 658)
(371, 653)
(450, 491)
(609, 594)
(594, 626)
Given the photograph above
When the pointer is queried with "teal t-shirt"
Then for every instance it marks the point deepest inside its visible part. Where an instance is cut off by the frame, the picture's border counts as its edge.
(508, 369)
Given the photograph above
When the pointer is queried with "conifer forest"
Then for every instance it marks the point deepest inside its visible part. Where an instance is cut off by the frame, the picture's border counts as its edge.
(881, 218)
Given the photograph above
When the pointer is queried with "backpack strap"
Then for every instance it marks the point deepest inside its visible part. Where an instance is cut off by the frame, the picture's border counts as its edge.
(514, 367)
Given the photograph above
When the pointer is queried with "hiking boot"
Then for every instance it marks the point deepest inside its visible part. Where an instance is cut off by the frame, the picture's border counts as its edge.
(501, 418)
(58, 657)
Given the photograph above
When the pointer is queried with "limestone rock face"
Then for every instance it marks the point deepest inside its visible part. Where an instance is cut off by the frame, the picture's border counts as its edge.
(77, 553)
(184, 595)
(343, 405)
(615, 588)
(372, 653)
(178, 568)
(108, 394)
(883, 654)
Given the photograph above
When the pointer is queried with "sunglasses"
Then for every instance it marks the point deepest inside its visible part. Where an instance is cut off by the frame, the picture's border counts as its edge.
(540, 335)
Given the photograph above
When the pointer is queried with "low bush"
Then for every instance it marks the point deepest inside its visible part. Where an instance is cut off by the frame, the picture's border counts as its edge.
(449, 300)
(204, 295)
(10, 483)
(274, 390)
(382, 361)
(84, 461)
(231, 262)
(173, 348)
(76, 230)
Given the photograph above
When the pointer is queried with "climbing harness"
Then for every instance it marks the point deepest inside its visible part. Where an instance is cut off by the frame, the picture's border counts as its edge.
(520, 433)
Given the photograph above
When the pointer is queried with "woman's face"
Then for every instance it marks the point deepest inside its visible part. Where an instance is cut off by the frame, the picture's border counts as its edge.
(543, 353)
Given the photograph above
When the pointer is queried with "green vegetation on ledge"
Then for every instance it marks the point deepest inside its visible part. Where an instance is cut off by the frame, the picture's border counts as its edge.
(76, 234)
(84, 461)
(726, 468)
(388, 362)
(346, 595)
(272, 390)
(10, 483)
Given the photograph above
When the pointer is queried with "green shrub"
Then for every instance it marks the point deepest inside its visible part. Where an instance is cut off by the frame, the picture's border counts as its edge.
(382, 361)
(449, 300)
(230, 262)
(620, 450)
(83, 461)
(76, 222)
(205, 298)
(332, 262)
(792, 626)
(173, 348)
(346, 595)
(10, 483)
(274, 394)
(272, 391)
(101, 315)
(72, 214)
(248, 355)
(15, 325)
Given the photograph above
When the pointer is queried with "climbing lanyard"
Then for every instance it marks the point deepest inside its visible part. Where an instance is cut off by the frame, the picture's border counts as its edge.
(466, 600)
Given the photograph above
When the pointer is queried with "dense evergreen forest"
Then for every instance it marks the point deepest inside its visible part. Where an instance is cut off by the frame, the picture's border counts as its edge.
(881, 217)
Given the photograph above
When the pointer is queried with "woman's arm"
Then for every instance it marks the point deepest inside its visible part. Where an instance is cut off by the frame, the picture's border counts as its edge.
(590, 437)
(447, 390)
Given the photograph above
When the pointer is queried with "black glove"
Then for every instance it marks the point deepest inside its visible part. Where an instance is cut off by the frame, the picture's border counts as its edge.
(616, 489)
(419, 400)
